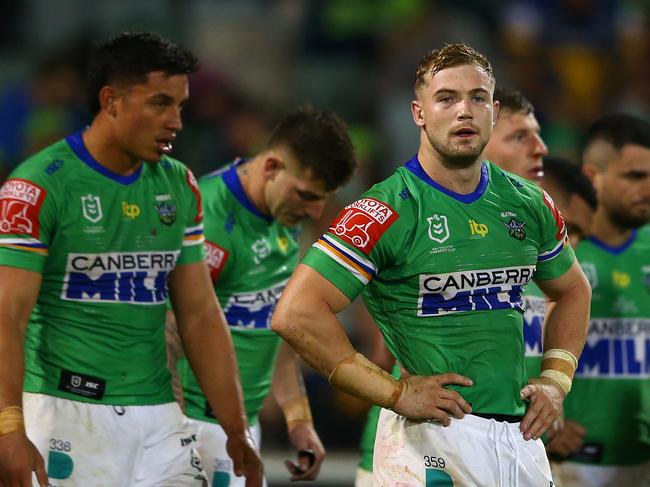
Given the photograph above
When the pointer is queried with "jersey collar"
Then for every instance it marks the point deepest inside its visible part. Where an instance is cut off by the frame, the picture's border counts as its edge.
(615, 250)
(232, 181)
(77, 145)
(416, 168)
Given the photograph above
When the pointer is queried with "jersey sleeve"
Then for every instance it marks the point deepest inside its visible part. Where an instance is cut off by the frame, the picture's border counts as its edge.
(356, 245)
(555, 254)
(27, 222)
(193, 238)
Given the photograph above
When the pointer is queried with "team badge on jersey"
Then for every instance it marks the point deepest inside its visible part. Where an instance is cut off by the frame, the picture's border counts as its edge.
(362, 223)
(91, 207)
(516, 228)
(216, 258)
(166, 208)
(438, 228)
(20, 204)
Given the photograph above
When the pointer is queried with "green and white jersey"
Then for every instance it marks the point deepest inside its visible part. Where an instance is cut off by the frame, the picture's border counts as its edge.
(105, 245)
(442, 273)
(251, 257)
(614, 369)
(534, 313)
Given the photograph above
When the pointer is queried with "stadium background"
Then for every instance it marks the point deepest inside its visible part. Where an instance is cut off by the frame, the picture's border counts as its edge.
(574, 59)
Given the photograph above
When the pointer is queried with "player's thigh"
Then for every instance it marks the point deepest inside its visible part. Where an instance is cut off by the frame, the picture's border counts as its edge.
(211, 443)
(170, 451)
(570, 474)
(82, 444)
(363, 478)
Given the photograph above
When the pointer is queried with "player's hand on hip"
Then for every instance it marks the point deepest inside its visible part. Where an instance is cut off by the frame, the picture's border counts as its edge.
(567, 440)
(18, 460)
(245, 458)
(546, 398)
(311, 452)
(424, 397)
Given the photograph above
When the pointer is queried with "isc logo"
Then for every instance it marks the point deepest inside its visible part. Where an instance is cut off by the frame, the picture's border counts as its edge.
(118, 277)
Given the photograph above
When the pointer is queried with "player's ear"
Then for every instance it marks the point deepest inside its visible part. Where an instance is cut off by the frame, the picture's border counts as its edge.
(418, 113)
(495, 111)
(272, 166)
(108, 97)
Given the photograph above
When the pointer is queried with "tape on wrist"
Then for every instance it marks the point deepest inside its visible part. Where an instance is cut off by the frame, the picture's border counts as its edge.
(297, 411)
(559, 366)
(360, 377)
(11, 420)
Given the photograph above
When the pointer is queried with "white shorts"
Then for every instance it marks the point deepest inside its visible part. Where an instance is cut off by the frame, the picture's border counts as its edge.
(112, 446)
(570, 474)
(211, 444)
(470, 452)
(363, 478)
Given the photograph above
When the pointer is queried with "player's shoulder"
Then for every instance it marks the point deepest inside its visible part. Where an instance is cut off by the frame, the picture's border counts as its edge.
(48, 165)
(513, 184)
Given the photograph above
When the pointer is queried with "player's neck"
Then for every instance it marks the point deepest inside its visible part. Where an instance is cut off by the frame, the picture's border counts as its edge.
(251, 177)
(607, 231)
(461, 180)
(106, 152)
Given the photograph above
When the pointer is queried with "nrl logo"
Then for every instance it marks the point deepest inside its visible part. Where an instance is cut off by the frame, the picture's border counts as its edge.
(516, 228)
(91, 207)
(166, 208)
(438, 228)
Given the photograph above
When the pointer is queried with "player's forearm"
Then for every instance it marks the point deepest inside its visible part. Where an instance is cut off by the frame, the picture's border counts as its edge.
(210, 352)
(310, 326)
(567, 320)
(287, 380)
(12, 370)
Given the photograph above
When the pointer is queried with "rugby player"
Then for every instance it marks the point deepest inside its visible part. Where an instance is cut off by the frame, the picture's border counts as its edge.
(253, 209)
(96, 232)
(442, 250)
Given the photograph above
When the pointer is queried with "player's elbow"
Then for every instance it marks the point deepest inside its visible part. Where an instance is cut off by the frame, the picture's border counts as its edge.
(280, 319)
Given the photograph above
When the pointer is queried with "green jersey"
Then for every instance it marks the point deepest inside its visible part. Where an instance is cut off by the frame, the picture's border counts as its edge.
(534, 312)
(614, 369)
(105, 245)
(442, 273)
(251, 257)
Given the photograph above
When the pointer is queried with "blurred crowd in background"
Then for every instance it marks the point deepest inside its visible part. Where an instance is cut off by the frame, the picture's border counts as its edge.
(574, 59)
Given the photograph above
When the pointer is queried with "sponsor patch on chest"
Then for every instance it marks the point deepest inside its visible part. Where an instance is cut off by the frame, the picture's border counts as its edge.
(253, 309)
(118, 277)
(475, 290)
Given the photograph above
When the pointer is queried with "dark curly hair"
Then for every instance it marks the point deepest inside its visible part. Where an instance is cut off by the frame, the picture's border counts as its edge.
(127, 59)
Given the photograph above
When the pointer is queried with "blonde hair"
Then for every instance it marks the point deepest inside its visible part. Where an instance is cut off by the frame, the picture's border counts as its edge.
(448, 56)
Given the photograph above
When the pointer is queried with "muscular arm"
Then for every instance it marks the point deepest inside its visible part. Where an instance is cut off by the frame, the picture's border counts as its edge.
(565, 329)
(566, 324)
(207, 344)
(306, 318)
(209, 350)
(289, 392)
(18, 293)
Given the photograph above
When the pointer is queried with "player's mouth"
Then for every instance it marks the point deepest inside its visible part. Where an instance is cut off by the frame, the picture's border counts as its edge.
(536, 173)
(465, 132)
(164, 144)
